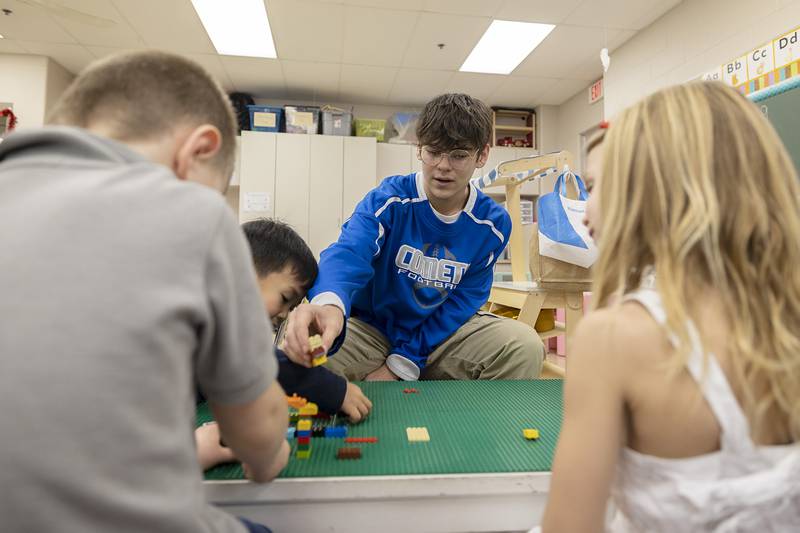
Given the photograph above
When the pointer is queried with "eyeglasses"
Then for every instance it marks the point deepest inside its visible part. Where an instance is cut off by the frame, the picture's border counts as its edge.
(458, 159)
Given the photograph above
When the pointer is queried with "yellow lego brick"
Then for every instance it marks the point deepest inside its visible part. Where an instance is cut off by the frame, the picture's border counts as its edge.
(314, 342)
(417, 434)
(530, 434)
(319, 360)
(309, 409)
(303, 454)
(303, 425)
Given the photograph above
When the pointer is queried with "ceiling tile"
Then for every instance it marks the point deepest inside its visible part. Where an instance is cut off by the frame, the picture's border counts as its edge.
(307, 31)
(213, 64)
(562, 91)
(104, 51)
(415, 87)
(173, 26)
(262, 78)
(480, 86)
(33, 24)
(7, 46)
(311, 81)
(545, 11)
(458, 33)
(72, 57)
(565, 50)
(477, 8)
(407, 5)
(616, 13)
(97, 22)
(377, 36)
(367, 84)
(521, 91)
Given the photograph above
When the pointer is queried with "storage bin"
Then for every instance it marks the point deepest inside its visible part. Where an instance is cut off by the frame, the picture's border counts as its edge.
(265, 118)
(370, 127)
(302, 119)
(336, 121)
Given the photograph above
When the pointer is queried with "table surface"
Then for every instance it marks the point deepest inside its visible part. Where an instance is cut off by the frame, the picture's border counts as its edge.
(474, 427)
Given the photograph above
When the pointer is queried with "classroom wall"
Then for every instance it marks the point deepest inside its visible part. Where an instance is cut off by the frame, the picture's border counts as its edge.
(575, 116)
(23, 82)
(547, 129)
(694, 37)
(58, 79)
(32, 84)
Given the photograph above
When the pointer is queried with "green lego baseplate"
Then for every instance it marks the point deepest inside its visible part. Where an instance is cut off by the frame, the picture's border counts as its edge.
(474, 427)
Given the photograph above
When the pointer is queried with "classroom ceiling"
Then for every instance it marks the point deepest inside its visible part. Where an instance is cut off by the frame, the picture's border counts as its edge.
(353, 51)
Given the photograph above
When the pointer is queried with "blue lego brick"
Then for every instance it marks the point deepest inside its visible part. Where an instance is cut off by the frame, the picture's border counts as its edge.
(336, 432)
(304, 433)
(290, 433)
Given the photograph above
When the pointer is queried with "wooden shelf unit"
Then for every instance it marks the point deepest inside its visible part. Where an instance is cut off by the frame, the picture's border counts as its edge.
(510, 126)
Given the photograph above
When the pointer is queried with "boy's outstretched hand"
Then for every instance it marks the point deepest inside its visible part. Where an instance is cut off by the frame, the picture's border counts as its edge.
(355, 405)
(209, 450)
(306, 320)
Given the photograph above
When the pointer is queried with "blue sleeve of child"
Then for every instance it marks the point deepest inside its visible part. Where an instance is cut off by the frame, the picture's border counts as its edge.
(316, 384)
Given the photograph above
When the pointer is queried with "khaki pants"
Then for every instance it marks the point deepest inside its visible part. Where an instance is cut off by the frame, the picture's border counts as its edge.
(486, 347)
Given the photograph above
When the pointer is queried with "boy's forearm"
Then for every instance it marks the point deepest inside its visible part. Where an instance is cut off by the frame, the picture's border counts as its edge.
(255, 431)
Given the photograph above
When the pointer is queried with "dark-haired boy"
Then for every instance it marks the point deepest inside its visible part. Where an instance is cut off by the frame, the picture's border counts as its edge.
(286, 269)
(414, 264)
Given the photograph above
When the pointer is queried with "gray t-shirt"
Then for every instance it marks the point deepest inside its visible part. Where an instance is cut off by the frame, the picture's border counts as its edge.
(120, 288)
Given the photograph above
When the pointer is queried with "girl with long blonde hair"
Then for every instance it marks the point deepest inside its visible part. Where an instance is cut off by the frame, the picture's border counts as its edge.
(682, 397)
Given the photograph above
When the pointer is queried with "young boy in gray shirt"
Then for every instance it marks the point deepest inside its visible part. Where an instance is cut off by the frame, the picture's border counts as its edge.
(125, 280)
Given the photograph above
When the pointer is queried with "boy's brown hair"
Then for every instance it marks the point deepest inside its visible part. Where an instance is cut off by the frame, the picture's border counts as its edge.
(142, 95)
(455, 120)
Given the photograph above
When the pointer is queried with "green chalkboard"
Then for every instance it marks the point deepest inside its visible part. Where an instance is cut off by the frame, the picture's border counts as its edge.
(781, 104)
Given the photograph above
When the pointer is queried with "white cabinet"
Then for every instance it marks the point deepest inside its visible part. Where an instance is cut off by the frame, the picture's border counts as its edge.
(359, 171)
(257, 175)
(326, 171)
(394, 160)
(292, 181)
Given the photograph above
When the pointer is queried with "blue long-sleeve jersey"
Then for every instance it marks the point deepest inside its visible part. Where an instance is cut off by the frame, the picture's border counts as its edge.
(400, 268)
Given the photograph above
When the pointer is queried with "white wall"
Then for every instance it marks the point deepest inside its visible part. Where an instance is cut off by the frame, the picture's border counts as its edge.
(691, 39)
(58, 79)
(575, 116)
(23, 82)
(32, 84)
(547, 129)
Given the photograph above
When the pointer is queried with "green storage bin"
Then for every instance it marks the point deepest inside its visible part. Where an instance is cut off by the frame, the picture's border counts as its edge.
(370, 127)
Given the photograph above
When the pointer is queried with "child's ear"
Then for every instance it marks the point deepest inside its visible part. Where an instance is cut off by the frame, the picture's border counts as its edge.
(483, 156)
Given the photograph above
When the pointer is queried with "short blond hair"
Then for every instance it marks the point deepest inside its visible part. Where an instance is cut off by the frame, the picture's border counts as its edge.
(697, 183)
(142, 95)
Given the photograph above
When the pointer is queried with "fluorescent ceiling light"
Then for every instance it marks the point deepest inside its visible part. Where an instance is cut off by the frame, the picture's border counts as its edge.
(504, 45)
(237, 27)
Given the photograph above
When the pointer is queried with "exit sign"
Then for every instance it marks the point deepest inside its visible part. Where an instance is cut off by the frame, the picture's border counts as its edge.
(596, 91)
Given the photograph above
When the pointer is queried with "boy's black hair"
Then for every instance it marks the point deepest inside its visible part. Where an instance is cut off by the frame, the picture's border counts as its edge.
(455, 120)
(275, 245)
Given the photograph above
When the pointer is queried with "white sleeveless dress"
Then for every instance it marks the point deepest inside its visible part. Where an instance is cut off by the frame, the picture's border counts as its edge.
(740, 488)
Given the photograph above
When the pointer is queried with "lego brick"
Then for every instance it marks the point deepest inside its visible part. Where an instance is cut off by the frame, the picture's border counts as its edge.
(320, 360)
(303, 454)
(290, 433)
(304, 425)
(530, 434)
(348, 453)
(296, 401)
(361, 439)
(303, 440)
(304, 433)
(336, 432)
(417, 434)
(410, 391)
(310, 409)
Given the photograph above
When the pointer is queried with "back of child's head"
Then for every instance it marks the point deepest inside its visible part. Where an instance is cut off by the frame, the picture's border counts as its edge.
(276, 246)
(697, 184)
(140, 96)
(454, 120)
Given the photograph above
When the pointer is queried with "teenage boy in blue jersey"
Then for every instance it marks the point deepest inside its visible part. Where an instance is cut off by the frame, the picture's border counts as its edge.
(413, 266)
